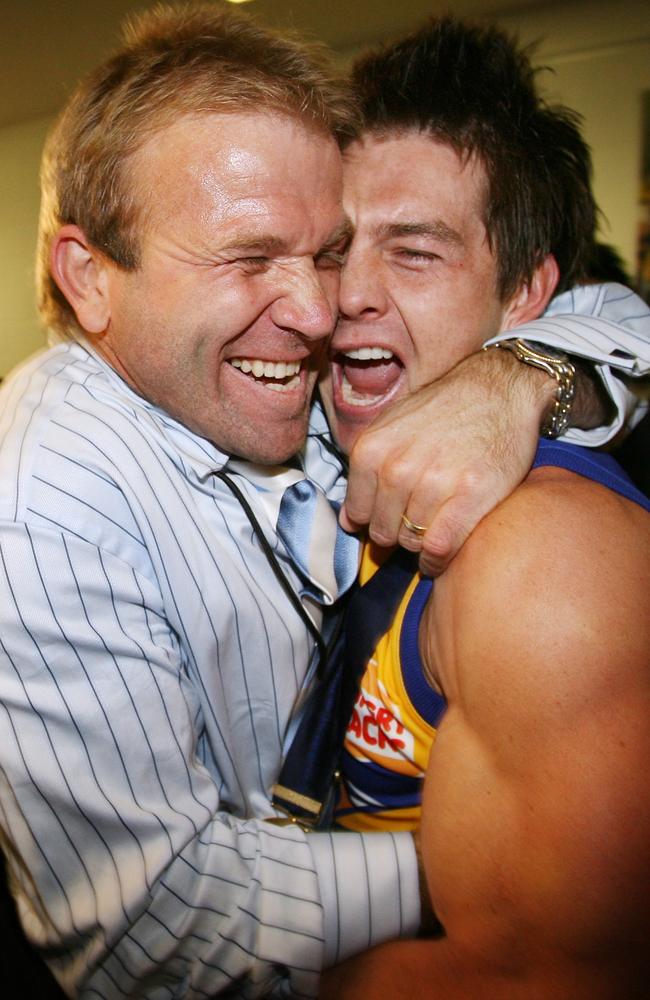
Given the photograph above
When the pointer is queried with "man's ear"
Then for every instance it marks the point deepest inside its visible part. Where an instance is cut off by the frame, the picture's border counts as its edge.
(532, 298)
(80, 272)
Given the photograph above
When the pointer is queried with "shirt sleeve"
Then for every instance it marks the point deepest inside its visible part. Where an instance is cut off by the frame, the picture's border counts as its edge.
(135, 878)
(369, 890)
(136, 874)
(609, 325)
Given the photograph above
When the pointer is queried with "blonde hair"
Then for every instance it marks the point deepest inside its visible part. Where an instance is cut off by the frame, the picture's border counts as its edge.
(175, 61)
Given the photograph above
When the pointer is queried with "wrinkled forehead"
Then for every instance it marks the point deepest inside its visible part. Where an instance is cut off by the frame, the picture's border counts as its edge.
(208, 164)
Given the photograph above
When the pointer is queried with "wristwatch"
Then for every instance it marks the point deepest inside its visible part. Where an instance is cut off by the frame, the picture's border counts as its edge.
(558, 366)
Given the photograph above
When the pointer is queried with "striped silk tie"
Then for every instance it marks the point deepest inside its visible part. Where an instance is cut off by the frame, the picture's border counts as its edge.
(326, 557)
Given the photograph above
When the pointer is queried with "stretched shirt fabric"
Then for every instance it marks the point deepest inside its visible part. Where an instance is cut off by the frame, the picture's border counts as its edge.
(152, 673)
(394, 720)
(149, 668)
(610, 325)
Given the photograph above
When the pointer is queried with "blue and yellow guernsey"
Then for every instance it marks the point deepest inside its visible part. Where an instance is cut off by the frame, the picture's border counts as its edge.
(393, 724)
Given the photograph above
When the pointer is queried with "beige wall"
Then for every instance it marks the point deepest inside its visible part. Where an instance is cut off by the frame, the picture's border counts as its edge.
(20, 148)
(606, 89)
(599, 49)
(599, 53)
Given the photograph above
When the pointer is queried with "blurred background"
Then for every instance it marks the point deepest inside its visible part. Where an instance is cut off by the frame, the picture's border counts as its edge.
(597, 51)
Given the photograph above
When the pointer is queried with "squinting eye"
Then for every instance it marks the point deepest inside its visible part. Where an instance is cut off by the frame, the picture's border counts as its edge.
(329, 258)
(417, 255)
(255, 262)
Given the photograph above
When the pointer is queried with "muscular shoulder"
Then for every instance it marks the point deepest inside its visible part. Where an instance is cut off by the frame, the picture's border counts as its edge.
(541, 630)
(555, 581)
(556, 530)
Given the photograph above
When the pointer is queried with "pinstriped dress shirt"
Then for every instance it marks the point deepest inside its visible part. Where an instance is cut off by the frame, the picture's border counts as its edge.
(610, 325)
(149, 667)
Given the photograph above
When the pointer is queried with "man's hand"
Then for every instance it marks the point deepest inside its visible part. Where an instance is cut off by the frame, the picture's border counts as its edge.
(447, 455)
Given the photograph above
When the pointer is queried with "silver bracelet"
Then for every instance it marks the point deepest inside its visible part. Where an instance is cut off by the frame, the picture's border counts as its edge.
(558, 367)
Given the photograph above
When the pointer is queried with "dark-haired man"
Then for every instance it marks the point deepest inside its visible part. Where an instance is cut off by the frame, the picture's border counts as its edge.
(523, 672)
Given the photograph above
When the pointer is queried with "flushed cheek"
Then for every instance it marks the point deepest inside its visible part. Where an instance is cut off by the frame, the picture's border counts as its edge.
(440, 338)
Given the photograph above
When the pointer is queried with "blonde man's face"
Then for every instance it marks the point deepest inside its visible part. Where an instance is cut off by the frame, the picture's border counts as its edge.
(225, 322)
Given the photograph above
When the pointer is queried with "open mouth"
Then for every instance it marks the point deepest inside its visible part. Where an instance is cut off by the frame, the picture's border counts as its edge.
(368, 375)
(280, 376)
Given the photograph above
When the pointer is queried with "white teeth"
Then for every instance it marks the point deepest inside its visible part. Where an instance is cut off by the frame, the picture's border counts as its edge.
(369, 354)
(283, 386)
(268, 369)
(355, 398)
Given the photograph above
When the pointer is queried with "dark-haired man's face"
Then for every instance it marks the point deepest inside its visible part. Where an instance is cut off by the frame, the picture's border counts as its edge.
(418, 289)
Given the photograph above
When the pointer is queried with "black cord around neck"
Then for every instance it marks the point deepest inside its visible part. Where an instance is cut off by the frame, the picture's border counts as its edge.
(334, 450)
(277, 569)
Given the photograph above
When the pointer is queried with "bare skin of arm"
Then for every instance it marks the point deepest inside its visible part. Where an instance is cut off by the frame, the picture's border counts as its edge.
(536, 817)
(486, 414)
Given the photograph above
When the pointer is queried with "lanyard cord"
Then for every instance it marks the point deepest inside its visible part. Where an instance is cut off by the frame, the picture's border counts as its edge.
(333, 449)
(277, 569)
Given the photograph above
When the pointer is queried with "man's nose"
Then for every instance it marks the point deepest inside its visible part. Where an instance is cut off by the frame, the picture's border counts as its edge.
(361, 293)
(307, 303)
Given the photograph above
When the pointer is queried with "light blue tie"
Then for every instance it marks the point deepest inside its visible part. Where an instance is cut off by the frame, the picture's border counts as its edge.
(324, 556)
(321, 551)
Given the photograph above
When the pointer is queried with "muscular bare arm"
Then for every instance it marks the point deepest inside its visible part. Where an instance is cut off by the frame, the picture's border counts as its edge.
(536, 826)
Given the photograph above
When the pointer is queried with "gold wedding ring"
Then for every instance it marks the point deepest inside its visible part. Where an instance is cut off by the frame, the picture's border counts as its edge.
(417, 529)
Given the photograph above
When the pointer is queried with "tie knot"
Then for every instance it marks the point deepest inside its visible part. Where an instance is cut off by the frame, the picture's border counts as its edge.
(324, 555)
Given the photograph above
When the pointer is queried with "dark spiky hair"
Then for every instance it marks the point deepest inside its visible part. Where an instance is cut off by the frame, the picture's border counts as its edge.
(472, 88)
